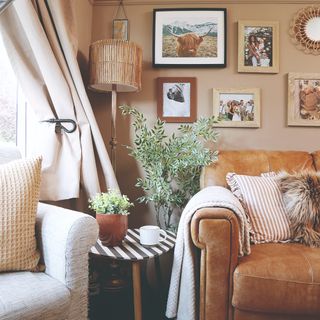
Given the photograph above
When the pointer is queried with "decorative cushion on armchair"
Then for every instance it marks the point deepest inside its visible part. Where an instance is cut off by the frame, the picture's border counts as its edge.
(64, 239)
(19, 196)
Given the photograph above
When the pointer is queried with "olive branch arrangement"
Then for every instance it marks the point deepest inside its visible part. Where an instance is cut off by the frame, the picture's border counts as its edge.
(172, 164)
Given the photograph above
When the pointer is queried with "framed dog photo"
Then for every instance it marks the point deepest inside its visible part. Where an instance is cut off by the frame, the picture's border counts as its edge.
(304, 99)
(258, 46)
(177, 99)
(238, 108)
(189, 37)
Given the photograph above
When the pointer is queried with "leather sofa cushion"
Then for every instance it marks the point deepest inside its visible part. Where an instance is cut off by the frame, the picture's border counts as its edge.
(245, 315)
(316, 159)
(278, 278)
(253, 163)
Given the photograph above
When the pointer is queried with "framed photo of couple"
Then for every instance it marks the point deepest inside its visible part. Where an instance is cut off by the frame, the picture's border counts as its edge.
(258, 46)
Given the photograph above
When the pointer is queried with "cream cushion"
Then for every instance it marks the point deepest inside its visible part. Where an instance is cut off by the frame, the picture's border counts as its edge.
(19, 195)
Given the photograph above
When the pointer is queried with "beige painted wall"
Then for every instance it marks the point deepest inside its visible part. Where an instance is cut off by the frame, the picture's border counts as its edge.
(273, 134)
(83, 14)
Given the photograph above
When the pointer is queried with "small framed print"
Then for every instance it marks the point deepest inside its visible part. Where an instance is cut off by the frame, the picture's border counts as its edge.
(238, 108)
(304, 99)
(189, 37)
(258, 46)
(120, 29)
(177, 98)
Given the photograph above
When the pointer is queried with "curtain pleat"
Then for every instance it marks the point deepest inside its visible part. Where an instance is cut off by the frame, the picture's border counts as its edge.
(41, 40)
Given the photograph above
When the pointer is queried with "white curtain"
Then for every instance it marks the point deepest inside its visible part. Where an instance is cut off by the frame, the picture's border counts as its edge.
(41, 40)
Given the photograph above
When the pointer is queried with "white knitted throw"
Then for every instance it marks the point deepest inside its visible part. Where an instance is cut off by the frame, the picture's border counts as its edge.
(182, 292)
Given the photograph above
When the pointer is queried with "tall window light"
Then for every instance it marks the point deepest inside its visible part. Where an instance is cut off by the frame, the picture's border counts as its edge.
(8, 99)
(12, 104)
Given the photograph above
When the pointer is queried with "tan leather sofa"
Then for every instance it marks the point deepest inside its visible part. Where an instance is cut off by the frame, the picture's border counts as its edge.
(276, 281)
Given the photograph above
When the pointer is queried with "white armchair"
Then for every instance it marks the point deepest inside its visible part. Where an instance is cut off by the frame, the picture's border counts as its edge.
(60, 292)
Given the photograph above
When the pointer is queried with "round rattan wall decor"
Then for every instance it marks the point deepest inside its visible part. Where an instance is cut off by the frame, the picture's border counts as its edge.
(305, 29)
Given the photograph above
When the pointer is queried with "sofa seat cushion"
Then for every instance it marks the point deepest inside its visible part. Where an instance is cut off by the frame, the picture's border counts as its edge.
(278, 278)
(26, 295)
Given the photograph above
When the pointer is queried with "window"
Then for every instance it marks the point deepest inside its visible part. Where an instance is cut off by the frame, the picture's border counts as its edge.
(8, 99)
(12, 104)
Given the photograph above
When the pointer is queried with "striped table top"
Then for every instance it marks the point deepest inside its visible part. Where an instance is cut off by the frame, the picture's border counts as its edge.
(131, 249)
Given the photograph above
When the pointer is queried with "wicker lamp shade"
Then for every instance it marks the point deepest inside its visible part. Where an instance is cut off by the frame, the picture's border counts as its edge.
(115, 62)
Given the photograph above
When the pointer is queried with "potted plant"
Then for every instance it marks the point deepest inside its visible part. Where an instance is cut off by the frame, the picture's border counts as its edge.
(112, 216)
(172, 164)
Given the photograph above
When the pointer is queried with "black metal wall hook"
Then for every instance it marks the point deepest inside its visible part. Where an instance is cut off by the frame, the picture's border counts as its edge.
(59, 126)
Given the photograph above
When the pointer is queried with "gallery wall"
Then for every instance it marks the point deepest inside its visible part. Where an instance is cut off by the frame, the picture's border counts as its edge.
(274, 134)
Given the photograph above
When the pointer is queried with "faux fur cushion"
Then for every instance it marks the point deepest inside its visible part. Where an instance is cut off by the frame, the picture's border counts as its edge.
(301, 196)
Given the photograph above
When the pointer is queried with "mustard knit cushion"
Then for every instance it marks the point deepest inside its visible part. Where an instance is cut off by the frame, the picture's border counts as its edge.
(19, 195)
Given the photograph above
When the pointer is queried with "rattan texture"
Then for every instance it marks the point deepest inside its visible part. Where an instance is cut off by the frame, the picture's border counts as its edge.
(116, 62)
(298, 28)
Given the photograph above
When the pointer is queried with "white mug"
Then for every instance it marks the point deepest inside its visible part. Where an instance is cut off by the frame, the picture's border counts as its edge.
(150, 235)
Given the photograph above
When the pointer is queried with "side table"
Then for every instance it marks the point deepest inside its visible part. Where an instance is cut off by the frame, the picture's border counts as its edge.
(131, 250)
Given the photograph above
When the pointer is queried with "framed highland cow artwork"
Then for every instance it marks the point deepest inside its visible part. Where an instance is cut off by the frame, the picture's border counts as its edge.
(177, 99)
(304, 99)
(189, 37)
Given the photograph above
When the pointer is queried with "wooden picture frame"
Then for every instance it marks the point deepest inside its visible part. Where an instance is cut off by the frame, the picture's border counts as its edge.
(304, 99)
(120, 29)
(190, 37)
(177, 99)
(237, 108)
(258, 46)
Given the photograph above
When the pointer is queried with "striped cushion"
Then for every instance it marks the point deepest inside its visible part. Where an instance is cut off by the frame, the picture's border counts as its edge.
(270, 174)
(262, 201)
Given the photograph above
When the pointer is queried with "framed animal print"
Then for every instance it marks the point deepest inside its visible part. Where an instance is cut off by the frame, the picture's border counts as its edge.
(258, 46)
(304, 99)
(177, 99)
(189, 37)
(237, 108)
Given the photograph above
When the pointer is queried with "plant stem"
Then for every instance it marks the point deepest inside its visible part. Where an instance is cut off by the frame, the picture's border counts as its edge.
(169, 212)
(157, 208)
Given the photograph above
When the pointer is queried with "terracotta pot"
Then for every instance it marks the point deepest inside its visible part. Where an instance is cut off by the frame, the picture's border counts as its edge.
(112, 228)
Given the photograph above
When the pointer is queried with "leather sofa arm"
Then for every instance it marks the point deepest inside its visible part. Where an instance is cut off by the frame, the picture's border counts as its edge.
(216, 232)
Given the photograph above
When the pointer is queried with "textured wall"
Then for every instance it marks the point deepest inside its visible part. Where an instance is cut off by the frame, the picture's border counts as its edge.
(273, 134)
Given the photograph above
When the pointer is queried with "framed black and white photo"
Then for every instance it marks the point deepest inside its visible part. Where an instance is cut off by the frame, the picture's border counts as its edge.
(177, 99)
(189, 37)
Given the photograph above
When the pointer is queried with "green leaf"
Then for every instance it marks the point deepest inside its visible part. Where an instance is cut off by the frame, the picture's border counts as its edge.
(172, 163)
